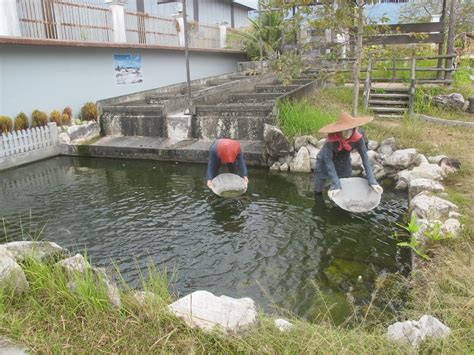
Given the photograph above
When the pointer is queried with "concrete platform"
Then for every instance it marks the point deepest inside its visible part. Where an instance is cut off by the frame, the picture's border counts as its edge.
(163, 149)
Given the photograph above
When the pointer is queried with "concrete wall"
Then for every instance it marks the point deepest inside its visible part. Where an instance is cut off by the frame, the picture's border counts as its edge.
(52, 77)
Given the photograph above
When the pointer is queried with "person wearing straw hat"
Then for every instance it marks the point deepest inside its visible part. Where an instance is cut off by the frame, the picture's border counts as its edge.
(334, 159)
(228, 152)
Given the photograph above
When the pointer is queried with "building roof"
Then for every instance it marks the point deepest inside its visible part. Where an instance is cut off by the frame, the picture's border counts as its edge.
(244, 5)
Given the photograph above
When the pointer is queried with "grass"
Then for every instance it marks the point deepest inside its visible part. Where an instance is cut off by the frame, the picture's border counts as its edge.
(307, 117)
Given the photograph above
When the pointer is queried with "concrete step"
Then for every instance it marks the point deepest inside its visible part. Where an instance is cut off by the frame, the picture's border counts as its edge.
(123, 123)
(389, 90)
(234, 127)
(388, 102)
(163, 149)
(215, 82)
(253, 97)
(387, 109)
(231, 109)
(159, 99)
(275, 88)
(390, 96)
(135, 109)
(389, 116)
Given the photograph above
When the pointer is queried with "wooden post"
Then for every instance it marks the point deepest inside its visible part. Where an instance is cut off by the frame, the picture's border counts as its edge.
(451, 34)
(441, 45)
(367, 86)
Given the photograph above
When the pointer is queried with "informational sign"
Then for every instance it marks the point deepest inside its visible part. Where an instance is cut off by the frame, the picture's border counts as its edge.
(128, 68)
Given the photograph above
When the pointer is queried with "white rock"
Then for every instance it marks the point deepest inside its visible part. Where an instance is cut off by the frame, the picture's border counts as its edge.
(436, 159)
(204, 310)
(301, 163)
(143, 298)
(301, 141)
(12, 276)
(283, 325)
(64, 138)
(414, 332)
(387, 146)
(276, 144)
(356, 160)
(402, 159)
(373, 156)
(7, 347)
(451, 227)
(416, 186)
(41, 251)
(313, 141)
(275, 167)
(401, 185)
(431, 207)
(379, 171)
(454, 215)
(424, 171)
(422, 159)
(321, 142)
(372, 145)
(74, 264)
(284, 167)
(313, 152)
(84, 131)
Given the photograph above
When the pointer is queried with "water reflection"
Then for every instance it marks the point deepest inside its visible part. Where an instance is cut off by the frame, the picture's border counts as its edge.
(274, 244)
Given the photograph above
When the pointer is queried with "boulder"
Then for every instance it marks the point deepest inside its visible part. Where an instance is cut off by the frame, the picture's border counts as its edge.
(77, 264)
(64, 138)
(416, 186)
(451, 227)
(321, 142)
(284, 167)
(283, 325)
(402, 159)
(204, 310)
(454, 215)
(356, 160)
(373, 156)
(301, 141)
(301, 162)
(422, 159)
(453, 101)
(12, 276)
(40, 251)
(470, 108)
(387, 146)
(84, 131)
(143, 298)
(286, 159)
(7, 347)
(275, 166)
(276, 144)
(423, 171)
(372, 145)
(379, 171)
(436, 159)
(313, 141)
(313, 152)
(414, 332)
(449, 165)
(430, 207)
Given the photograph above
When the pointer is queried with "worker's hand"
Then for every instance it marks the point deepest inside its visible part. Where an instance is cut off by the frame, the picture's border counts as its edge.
(332, 193)
(378, 189)
(246, 180)
(209, 184)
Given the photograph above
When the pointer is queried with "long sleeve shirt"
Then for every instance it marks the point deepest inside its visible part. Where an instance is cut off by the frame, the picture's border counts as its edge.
(214, 163)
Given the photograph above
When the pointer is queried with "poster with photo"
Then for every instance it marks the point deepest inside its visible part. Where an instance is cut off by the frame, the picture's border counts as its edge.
(128, 68)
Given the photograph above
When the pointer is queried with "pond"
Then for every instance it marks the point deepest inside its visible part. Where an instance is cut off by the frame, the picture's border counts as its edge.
(276, 244)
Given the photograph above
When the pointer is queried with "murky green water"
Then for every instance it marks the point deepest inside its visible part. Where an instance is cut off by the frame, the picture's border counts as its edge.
(273, 244)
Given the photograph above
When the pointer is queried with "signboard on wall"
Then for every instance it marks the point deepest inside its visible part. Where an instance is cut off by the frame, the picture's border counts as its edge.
(128, 69)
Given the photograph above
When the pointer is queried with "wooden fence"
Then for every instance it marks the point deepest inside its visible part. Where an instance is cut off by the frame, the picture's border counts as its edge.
(147, 29)
(29, 140)
(75, 20)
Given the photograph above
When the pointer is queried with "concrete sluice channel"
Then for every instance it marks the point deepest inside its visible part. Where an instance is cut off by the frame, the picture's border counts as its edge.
(276, 244)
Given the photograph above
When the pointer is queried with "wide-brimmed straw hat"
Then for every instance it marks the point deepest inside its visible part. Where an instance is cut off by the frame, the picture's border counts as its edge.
(345, 121)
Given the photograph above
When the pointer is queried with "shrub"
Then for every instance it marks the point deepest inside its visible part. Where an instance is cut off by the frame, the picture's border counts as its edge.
(89, 112)
(6, 124)
(65, 119)
(39, 118)
(21, 122)
(68, 111)
(56, 117)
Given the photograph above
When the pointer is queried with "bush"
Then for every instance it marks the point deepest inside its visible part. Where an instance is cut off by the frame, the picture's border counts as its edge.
(39, 118)
(68, 111)
(6, 124)
(56, 117)
(21, 122)
(89, 112)
(65, 119)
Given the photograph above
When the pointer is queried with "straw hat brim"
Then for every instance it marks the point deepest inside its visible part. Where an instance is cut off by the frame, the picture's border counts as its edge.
(339, 126)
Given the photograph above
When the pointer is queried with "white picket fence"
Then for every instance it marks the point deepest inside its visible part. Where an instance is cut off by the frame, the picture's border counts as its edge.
(28, 145)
